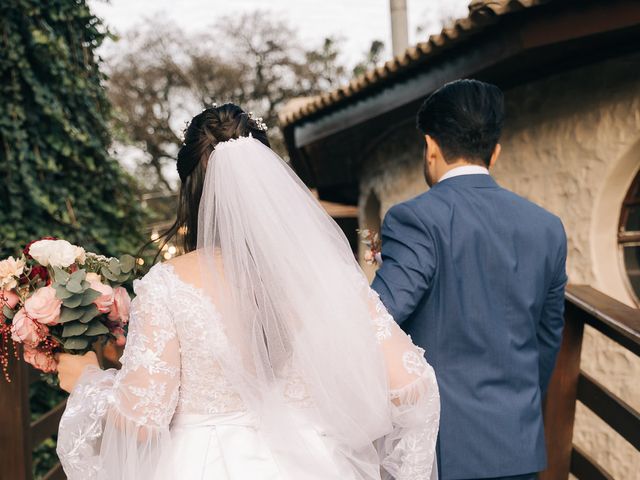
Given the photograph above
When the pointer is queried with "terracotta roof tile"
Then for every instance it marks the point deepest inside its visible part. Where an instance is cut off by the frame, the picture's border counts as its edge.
(481, 14)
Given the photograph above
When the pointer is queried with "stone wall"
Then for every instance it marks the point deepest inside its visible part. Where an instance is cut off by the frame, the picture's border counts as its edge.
(571, 144)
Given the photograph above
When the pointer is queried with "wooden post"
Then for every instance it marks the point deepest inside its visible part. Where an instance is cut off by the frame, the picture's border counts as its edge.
(15, 431)
(560, 402)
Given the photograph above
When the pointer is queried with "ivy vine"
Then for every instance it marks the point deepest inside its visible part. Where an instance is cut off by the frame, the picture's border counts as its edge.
(56, 175)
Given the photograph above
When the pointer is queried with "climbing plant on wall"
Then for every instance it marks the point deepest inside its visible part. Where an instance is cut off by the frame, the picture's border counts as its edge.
(56, 175)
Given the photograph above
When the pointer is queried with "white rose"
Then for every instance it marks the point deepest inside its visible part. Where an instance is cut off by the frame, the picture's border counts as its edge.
(10, 270)
(81, 255)
(54, 253)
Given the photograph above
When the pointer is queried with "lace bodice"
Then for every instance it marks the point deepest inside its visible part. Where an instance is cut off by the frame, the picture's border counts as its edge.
(169, 367)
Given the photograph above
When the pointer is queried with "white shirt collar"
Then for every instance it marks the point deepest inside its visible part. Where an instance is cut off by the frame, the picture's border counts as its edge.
(465, 170)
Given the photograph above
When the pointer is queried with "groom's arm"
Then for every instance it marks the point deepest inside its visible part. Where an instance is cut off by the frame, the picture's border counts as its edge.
(552, 321)
(408, 262)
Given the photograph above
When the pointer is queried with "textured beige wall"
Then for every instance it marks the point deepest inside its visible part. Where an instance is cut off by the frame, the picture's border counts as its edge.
(571, 144)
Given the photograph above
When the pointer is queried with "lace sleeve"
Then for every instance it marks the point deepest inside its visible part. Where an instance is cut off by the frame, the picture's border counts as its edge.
(116, 423)
(409, 451)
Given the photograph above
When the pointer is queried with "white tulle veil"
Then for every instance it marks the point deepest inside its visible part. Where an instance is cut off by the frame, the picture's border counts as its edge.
(283, 276)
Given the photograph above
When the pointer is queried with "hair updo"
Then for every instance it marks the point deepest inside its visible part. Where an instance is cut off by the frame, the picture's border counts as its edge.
(206, 130)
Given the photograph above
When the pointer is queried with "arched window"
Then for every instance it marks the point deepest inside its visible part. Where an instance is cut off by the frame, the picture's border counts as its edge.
(629, 236)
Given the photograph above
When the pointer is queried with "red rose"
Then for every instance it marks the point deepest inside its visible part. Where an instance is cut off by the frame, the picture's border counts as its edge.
(39, 272)
(26, 249)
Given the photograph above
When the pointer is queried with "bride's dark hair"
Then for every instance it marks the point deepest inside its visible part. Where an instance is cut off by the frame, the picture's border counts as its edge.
(212, 126)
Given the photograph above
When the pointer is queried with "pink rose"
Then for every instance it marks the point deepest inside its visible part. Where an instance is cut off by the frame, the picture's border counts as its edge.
(25, 330)
(121, 306)
(43, 306)
(105, 300)
(39, 360)
(8, 298)
(368, 256)
(118, 333)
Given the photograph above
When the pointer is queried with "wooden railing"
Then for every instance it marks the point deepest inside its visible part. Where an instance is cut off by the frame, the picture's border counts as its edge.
(620, 323)
(584, 306)
(19, 436)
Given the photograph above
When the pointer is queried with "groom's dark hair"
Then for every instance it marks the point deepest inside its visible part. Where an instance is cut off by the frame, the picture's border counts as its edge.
(465, 119)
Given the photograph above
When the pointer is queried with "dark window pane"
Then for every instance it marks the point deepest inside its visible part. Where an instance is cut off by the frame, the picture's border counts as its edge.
(633, 219)
(632, 265)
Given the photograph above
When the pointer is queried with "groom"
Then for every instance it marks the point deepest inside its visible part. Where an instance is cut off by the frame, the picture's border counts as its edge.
(476, 275)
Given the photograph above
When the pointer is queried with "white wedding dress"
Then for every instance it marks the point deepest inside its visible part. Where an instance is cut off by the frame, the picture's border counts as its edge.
(294, 372)
(171, 406)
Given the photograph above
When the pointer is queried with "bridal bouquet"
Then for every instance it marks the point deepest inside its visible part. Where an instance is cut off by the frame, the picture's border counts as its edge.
(373, 253)
(56, 297)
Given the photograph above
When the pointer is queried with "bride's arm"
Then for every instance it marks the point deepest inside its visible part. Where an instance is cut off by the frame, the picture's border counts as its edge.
(117, 422)
(408, 452)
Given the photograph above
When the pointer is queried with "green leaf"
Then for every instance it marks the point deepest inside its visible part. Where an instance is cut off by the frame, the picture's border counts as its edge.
(7, 312)
(73, 329)
(78, 276)
(62, 293)
(61, 276)
(114, 266)
(75, 343)
(96, 328)
(74, 286)
(89, 296)
(106, 273)
(127, 263)
(90, 313)
(69, 314)
(73, 301)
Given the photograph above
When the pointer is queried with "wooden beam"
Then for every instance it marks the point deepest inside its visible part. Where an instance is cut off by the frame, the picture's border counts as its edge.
(560, 402)
(15, 439)
(55, 473)
(47, 424)
(614, 319)
(613, 410)
(585, 468)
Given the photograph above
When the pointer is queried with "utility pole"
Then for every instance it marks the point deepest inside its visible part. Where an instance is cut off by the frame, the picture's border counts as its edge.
(399, 26)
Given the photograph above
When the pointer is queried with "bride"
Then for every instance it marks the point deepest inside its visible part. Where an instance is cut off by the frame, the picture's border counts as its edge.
(262, 353)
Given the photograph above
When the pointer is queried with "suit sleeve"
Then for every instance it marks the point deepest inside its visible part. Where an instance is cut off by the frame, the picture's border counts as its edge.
(552, 320)
(408, 262)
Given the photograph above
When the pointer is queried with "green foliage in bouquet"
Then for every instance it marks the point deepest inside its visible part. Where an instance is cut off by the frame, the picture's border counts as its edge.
(56, 175)
(80, 321)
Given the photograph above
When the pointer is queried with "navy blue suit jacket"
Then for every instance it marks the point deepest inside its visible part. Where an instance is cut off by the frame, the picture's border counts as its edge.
(476, 275)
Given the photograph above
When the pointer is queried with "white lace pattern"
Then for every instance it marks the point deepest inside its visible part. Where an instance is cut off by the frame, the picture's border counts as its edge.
(117, 422)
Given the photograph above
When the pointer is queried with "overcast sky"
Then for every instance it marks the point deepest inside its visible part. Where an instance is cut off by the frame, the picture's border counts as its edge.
(356, 22)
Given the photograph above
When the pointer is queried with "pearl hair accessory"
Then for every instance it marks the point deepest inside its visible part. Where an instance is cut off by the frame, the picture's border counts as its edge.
(260, 125)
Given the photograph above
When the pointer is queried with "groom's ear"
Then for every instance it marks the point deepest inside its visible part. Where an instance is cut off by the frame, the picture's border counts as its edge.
(433, 149)
(495, 155)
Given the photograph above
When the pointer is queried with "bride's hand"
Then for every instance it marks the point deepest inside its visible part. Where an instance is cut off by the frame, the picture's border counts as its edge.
(70, 367)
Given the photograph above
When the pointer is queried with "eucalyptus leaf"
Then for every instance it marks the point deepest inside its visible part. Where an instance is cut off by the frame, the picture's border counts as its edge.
(69, 314)
(73, 329)
(96, 328)
(75, 343)
(89, 314)
(73, 301)
(114, 266)
(61, 276)
(7, 312)
(106, 273)
(78, 276)
(89, 296)
(62, 292)
(127, 263)
(74, 286)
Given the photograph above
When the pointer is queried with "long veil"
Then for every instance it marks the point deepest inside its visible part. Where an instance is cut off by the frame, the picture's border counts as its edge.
(294, 311)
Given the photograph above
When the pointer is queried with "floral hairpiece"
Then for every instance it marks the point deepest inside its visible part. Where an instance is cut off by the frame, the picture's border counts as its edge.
(260, 125)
